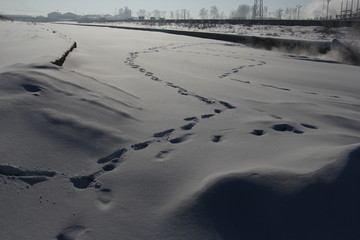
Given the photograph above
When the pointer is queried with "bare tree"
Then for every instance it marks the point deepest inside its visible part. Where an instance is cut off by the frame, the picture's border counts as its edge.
(172, 15)
(279, 13)
(204, 13)
(288, 13)
(183, 13)
(243, 11)
(163, 14)
(156, 14)
(124, 13)
(266, 11)
(141, 13)
(214, 12)
(188, 14)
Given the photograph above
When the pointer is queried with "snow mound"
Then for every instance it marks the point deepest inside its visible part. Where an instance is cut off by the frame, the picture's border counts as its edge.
(46, 112)
(271, 204)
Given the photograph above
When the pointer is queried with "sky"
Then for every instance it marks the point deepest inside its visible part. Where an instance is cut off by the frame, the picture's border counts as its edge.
(42, 7)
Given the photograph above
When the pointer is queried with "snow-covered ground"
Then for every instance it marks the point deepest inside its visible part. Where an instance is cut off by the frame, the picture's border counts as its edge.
(288, 32)
(343, 43)
(145, 135)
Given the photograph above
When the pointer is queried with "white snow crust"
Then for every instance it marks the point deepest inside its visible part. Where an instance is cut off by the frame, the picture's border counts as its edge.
(144, 135)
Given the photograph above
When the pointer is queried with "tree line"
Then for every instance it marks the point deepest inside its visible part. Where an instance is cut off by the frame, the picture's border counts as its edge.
(243, 11)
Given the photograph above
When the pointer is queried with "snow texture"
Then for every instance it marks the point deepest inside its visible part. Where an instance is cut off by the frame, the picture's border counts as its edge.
(145, 135)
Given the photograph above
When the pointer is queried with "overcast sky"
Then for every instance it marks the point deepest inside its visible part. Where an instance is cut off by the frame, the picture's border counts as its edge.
(42, 7)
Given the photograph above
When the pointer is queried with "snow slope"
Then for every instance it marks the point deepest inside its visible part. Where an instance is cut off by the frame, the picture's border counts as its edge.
(144, 135)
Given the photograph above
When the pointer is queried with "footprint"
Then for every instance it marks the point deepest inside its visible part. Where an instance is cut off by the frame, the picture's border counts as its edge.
(164, 133)
(71, 233)
(140, 146)
(163, 154)
(275, 116)
(188, 127)
(286, 128)
(191, 119)
(180, 139)
(283, 127)
(204, 99)
(205, 116)
(216, 139)
(309, 126)
(35, 90)
(227, 105)
(242, 81)
(109, 167)
(296, 131)
(83, 182)
(183, 92)
(30, 177)
(105, 196)
(311, 93)
(258, 132)
(279, 88)
(114, 156)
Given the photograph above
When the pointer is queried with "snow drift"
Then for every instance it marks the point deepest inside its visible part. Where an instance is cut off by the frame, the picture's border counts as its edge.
(282, 205)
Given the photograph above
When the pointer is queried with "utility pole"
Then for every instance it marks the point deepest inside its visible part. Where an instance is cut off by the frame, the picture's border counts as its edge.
(298, 7)
(327, 9)
(258, 9)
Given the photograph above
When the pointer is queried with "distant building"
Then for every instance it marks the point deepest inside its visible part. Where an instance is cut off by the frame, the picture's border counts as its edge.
(70, 16)
(54, 16)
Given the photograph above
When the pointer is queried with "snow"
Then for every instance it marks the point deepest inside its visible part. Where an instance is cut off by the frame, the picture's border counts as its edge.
(145, 135)
(312, 33)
